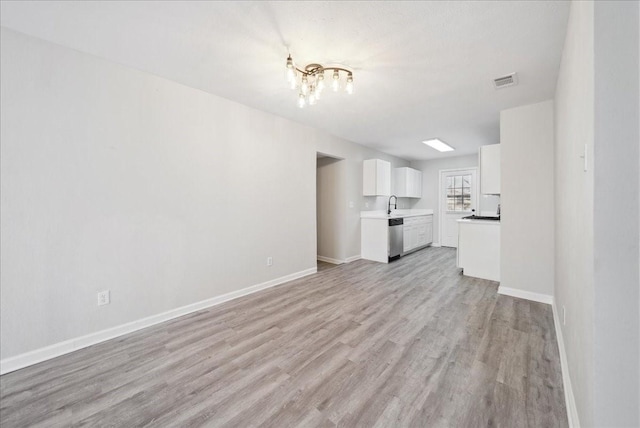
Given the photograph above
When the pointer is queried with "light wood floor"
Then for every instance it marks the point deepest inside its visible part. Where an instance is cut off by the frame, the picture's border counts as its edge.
(409, 344)
(322, 266)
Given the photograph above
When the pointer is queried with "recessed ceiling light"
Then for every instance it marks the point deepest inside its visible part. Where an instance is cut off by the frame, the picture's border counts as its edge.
(439, 145)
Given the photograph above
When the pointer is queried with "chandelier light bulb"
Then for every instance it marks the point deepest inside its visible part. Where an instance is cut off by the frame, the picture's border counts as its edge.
(349, 87)
(304, 87)
(291, 71)
(312, 98)
(320, 82)
(336, 81)
(301, 100)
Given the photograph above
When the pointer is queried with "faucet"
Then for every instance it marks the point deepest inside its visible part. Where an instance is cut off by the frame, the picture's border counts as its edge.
(395, 206)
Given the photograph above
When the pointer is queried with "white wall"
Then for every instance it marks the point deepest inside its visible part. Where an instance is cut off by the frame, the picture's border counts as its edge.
(616, 207)
(330, 208)
(597, 211)
(166, 195)
(574, 204)
(526, 184)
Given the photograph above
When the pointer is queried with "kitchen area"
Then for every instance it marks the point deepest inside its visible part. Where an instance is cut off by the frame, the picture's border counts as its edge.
(408, 226)
(508, 238)
(386, 235)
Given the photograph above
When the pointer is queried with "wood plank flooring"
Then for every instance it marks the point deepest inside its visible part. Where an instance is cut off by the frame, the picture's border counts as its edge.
(322, 266)
(408, 344)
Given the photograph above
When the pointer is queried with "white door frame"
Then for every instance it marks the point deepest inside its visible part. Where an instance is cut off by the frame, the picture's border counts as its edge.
(475, 199)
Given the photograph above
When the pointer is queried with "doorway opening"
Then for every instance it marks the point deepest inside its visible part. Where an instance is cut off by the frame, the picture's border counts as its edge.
(330, 211)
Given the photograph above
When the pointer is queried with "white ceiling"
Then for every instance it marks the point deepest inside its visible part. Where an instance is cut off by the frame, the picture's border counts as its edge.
(421, 69)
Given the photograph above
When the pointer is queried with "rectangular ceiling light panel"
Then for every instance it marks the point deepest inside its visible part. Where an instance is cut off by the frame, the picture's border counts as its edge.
(439, 145)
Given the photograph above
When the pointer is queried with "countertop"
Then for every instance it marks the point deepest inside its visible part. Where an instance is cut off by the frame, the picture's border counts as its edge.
(382, 215)
(476, 221)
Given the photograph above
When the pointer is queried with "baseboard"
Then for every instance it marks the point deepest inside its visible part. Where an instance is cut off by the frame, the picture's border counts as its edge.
(338, 262)
(39, 355)
(569, 399)
(436, 244)
(528, 295)
(329, 260)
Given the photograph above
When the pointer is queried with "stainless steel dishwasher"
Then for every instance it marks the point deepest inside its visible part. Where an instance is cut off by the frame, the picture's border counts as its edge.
(395, 238)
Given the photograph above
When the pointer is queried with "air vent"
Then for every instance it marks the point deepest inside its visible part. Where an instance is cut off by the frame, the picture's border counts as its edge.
(505, 81)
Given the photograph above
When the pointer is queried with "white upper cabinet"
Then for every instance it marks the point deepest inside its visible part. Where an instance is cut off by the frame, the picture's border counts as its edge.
(408, 183)
(490, 169)
(376, 178)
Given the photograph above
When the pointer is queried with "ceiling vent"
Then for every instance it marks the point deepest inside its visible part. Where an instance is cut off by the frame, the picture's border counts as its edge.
(505, 81)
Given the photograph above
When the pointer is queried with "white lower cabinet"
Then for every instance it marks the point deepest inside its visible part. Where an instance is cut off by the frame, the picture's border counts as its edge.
(417, 232)
(408, 237)
(374, 243)
(425, 234)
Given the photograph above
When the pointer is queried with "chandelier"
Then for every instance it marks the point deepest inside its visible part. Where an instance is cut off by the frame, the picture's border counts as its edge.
(310, 81)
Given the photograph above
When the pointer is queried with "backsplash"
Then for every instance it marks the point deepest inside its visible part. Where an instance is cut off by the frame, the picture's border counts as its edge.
(489, 204)
(376, 203)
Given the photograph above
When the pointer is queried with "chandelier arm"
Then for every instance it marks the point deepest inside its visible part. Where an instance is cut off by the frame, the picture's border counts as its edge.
(312, 71)
(316, 70)
(339, 69)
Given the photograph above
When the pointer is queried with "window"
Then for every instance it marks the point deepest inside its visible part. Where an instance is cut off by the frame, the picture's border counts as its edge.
(459, 192)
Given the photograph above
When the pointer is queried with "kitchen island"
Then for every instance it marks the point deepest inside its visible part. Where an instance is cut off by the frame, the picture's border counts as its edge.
(479, 248)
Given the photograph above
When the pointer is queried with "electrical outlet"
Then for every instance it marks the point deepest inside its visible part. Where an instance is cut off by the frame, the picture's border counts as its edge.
(564, 315)
(269, 261)
(366, 204)
(351, 204)
(103, 298)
